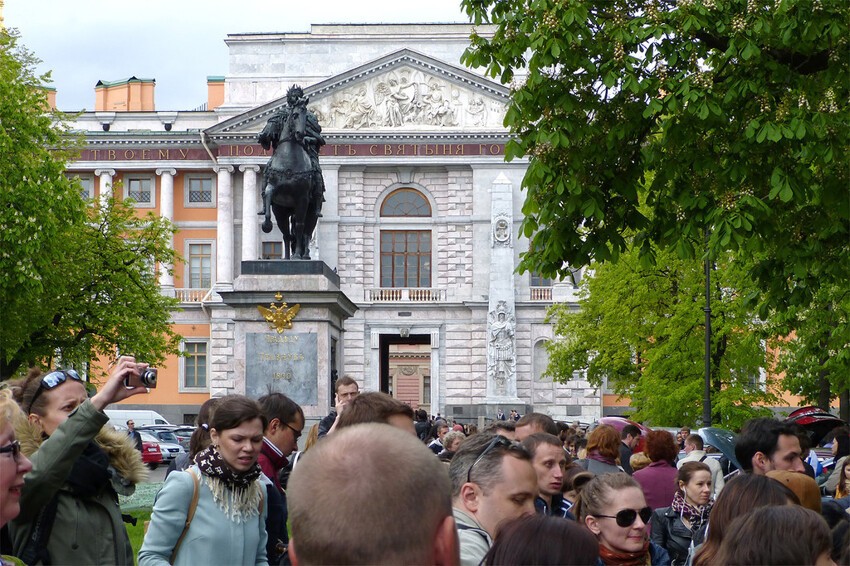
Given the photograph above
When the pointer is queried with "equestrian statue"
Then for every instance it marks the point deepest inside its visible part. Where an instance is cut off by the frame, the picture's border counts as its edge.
(293, 187)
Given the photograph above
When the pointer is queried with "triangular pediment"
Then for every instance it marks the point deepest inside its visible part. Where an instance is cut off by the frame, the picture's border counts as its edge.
(403, 92)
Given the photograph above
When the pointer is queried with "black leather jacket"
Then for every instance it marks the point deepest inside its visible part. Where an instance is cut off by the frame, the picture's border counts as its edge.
(669, 532)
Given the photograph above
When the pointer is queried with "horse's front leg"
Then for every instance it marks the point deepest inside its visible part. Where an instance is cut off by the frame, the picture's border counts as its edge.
(298, 225)
(267, 209)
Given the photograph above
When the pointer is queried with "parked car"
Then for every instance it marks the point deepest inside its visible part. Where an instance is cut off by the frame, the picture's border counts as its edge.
(170, 450)
(170, 433)
(151, 454)
(817, 422)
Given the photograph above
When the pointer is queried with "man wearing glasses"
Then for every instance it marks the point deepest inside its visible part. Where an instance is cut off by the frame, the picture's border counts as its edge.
(493, 481)
(285, 420)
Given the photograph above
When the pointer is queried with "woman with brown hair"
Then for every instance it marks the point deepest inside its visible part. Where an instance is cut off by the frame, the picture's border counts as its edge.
(613, 508)
(224, 486)
(674, 527)
(567, 543)
(777, 535)
(658, 479)
(743, 493)
(603, 449)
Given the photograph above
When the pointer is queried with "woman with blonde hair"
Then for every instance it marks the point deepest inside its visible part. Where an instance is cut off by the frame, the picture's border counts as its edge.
(603, 449)
(13, 466)
(79, 468)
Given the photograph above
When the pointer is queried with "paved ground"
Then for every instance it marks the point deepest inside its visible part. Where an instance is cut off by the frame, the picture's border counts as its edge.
(145, 492)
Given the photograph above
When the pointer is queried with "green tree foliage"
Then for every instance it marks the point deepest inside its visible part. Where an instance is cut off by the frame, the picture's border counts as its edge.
(76, 278)
(643, 329)
(814, 348)
(738, 107)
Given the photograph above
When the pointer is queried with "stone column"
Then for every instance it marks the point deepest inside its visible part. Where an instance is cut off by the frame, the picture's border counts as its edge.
(105, 185)
(224, 221)
(250, 207)
(501, 317)
(166, 210)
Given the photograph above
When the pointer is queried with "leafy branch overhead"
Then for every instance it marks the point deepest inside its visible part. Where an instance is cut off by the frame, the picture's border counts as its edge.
(663, 120)
(78, 277)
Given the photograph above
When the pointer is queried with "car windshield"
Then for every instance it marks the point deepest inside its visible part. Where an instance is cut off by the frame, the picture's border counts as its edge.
(148, 437)
(166, 436)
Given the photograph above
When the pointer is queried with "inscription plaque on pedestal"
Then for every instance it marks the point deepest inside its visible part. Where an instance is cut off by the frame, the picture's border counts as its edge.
(287, 362)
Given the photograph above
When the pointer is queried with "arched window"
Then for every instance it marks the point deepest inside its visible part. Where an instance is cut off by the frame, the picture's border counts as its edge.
(405, 202)
(405, 254)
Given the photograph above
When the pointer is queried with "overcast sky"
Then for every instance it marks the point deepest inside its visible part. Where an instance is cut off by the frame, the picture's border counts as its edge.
(177, 42)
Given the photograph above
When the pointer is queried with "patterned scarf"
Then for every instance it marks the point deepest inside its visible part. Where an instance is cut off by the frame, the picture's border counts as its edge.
(614, 558)
(697, 516)
(238, 495)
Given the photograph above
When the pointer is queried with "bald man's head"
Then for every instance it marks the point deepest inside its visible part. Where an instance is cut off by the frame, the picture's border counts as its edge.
(371, 494)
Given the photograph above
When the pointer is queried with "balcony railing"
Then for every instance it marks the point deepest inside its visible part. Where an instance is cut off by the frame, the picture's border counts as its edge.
(189, 295)
(405, 295)
(541, 293)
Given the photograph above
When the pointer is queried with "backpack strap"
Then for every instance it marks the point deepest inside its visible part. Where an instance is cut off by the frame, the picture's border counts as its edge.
(704, 456)
(192, 507)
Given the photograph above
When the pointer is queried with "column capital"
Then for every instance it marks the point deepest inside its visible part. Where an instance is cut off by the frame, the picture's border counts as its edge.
(167, 170)
(220, 168)
(252, 167)
(100, 172)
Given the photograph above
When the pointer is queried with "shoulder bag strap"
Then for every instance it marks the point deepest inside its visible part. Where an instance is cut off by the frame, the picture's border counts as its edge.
(704, 456)
(192, 507)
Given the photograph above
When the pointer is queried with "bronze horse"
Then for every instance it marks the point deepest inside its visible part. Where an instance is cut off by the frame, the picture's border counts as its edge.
(289, 180)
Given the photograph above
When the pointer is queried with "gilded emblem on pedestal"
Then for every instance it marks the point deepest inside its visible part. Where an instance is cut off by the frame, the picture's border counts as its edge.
(279, 317)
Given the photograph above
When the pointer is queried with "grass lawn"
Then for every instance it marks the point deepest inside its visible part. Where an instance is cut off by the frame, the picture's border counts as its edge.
(137, 533)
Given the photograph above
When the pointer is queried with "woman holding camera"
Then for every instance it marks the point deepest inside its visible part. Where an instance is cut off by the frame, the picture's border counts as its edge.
(69, 507)
(220, 497)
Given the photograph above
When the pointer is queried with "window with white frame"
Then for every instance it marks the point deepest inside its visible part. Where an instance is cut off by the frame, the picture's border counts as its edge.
(199, 191)
(272, 250)
(199, 264)
(141, 189)
(86, 183)
(195, 365)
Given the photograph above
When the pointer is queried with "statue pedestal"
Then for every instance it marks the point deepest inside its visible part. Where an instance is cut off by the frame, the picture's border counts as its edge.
(250, 356)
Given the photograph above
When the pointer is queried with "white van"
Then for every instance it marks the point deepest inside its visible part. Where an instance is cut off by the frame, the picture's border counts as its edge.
(119, 417)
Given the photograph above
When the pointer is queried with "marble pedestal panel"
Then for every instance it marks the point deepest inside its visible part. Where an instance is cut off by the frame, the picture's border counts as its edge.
(298, 361)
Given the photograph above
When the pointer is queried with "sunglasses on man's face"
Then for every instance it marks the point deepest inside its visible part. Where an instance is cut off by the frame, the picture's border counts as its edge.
(627, 517)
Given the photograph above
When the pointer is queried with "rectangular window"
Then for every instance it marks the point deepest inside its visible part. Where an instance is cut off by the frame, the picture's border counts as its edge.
(540, 281)
(199, 192)
(406, 258)
(272, 250)
(195, 365)
(200, 265)
(87, 184)
(141, 190)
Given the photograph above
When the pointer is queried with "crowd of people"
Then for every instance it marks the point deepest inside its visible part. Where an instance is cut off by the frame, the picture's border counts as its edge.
(379, 483)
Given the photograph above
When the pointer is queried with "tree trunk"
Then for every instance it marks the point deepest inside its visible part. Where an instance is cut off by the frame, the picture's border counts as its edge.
(844, 405)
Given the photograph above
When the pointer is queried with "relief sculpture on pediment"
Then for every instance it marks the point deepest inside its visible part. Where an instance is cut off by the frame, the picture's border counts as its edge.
(407, 97)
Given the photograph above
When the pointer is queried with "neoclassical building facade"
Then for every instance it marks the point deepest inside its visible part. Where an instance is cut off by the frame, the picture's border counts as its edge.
(420, 221)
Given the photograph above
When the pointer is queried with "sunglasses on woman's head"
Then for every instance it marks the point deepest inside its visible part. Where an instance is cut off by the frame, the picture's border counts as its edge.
(627, 517)
(53, 380)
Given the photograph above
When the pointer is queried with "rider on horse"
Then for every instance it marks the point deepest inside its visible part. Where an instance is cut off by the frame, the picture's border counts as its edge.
(313, 140)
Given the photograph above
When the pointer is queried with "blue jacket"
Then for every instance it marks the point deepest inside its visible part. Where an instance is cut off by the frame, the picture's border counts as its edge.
(212, 539)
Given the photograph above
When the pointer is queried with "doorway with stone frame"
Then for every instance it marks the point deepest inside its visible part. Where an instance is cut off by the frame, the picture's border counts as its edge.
(405, 368)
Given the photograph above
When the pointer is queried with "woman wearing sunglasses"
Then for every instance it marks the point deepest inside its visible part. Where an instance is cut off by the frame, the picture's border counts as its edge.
(13, 466)
(613, 507)
(674, 527)
(69, 507)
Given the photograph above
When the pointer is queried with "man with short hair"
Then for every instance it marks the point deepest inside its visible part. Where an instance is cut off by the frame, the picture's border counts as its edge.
(285, 420)
(695, 453)
(533, 423)
(767, 444)
(493, 481)
(346, 390)
(134, 434)
(377, 407)
(549, 461)
(629, 438)
(505, 428)
(395, 506)
(436, 445)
